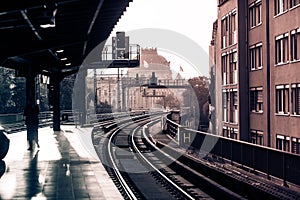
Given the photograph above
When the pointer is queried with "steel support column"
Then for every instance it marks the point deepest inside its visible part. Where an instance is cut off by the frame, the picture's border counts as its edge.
(31, 110)
(55, 81)
(79, 97)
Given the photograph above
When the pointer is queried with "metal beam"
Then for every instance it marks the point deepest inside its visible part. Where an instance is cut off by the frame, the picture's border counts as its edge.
(92, 24)
(14, 6)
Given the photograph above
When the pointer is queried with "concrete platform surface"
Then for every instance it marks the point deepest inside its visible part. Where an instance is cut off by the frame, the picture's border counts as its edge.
(64, 167)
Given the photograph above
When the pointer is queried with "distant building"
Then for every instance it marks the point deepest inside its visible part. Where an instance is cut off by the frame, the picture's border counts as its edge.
(107, 90)
(134, 93)
(154, 70)
(256, 51)
(151, 61)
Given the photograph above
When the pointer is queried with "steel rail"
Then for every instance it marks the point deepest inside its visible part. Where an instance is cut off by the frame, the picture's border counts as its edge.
(125, 186)
(151, 165)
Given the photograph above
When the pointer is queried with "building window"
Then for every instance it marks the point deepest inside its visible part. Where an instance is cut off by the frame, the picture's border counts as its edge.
(295, 44)
(228, 29)
(257, 137)
(230, 107)
(281, 49)
(232, 28)
(224, 68)
(255, 14)
(230, 132)
(282, 99)
(233, 68)
(256, 99)
(225, 101)
(256, 57)
(296, 145)
(224, 29)
(294, 3)
(233, 107)
(295, 99)
(280, 6)
(229, 67)
(282, 142)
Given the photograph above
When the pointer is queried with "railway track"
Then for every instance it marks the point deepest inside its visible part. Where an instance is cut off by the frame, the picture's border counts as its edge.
(141, 171)
(133, 178)
(235, 179)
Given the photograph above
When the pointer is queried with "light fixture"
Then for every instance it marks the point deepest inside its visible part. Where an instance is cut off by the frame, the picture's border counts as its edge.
(68, 64)
(63, 58)
(59, 51)
(47, 25)
(48, 17)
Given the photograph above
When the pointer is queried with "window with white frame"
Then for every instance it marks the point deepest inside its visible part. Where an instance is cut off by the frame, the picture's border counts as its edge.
(224, 31)
(281, 49)
(295, 99)
(228, 29)
(225, 101)
(233, 107)
(282, 99)
(256, 56)
(295, 44)
(224, 68)
(256, 99)
(230, 106)
(230, 132)
(229, 67)
(233, 67)
(282, 142)
(232, 28)
(294, 3)
(280, 6)
(257, 137)
(255, 14)
(296, 145)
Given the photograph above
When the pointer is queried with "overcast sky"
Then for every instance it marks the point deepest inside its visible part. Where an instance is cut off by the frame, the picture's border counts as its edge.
(192, 18)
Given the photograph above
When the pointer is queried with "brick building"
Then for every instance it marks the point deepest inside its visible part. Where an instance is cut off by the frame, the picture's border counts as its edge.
(256, 65)
(131, 93)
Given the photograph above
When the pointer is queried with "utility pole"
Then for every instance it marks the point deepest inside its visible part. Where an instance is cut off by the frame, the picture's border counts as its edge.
(95, 90)
(118, 92)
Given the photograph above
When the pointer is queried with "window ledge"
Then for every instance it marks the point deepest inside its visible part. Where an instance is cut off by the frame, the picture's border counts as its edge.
(282, 114)
(282, 13)
(281, 64)
(257, 25)
(257, 112)
(256, 69)
(295, 115)
(294, 7)
(294, 61)
(230, 123)
(229, 46)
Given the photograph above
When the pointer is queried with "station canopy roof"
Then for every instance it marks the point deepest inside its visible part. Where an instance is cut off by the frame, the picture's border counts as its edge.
(54, 36)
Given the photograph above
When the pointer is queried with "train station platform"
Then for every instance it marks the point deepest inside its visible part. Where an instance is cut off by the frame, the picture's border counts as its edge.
(65, 166)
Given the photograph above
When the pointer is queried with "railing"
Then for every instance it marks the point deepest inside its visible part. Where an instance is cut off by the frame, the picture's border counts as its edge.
(132, 53)
(133, 81)
(270, 161)
(10, 118)
(16, 122)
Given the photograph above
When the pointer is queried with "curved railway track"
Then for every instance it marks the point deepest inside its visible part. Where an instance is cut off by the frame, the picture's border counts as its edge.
(141, 171)
(144, 167)
(135, 179)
